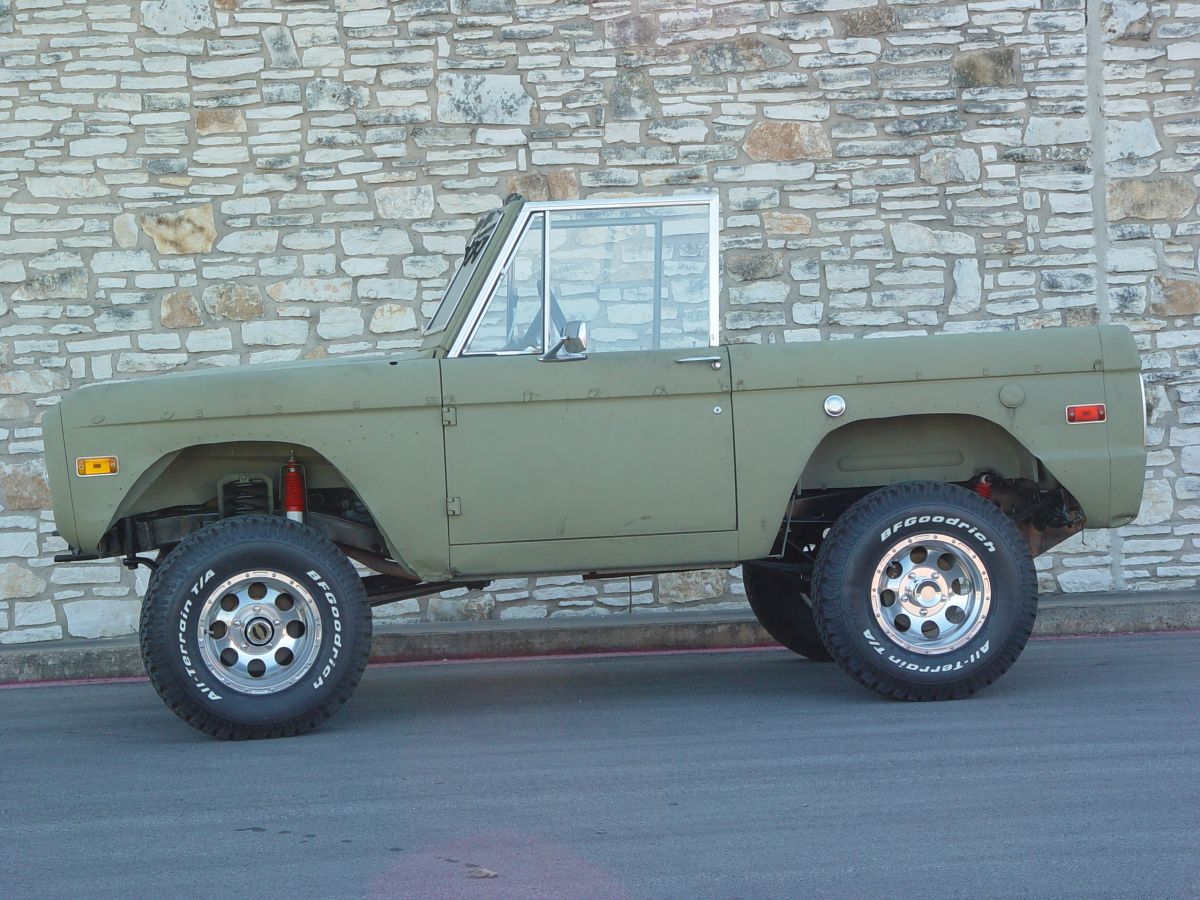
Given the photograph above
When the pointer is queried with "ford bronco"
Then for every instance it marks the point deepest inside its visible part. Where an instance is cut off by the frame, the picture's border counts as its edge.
(573, 410)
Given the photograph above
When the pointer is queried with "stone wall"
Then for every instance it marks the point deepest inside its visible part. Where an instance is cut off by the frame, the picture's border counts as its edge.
(195, 183)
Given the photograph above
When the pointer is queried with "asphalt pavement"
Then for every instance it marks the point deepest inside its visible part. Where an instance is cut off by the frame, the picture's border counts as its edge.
(719, 774)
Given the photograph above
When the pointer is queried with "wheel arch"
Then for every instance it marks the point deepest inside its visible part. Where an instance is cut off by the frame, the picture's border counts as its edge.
(865, 454)
(937, 447)
(189, 475)
(185, 484)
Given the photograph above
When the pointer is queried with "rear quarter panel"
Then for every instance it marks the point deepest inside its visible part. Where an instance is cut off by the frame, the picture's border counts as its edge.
(779, 391)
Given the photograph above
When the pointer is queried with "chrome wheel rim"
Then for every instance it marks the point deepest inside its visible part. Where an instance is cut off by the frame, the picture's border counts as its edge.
(259, 632)
(931, 593)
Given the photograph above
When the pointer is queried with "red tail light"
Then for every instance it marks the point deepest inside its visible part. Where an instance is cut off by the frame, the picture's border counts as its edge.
(294, 504)
(1087, 412)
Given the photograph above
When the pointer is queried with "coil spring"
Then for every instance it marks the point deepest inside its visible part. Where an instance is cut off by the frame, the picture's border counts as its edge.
(243, 498)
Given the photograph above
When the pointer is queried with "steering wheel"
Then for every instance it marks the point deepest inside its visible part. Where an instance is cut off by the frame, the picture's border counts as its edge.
(533, 333)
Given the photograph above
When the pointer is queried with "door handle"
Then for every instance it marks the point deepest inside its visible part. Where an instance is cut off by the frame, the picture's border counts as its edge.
(714, 361)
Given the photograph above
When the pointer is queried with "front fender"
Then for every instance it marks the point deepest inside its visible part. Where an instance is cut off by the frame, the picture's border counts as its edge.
(378, 422)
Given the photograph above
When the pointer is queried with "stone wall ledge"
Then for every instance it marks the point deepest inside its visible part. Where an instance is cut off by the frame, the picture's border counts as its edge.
(1060, 615)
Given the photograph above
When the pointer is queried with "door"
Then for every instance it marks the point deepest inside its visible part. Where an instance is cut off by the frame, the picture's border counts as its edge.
(618, 444)
(634, 437)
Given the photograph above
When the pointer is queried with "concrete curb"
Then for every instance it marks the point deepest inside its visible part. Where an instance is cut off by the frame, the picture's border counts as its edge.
(1062, 614)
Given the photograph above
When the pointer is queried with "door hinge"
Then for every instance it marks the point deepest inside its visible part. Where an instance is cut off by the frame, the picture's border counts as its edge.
(449, 416)
(454, 506)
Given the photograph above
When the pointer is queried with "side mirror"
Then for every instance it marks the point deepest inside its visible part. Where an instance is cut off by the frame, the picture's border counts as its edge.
(575, 337)
(573, 342)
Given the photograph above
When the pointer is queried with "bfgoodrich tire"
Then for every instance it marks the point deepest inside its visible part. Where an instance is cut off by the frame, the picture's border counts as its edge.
(924, 591)
(255, 627)
(780, 603)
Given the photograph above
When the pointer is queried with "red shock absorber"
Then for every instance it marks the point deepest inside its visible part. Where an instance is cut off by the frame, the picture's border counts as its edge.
(294, 499)
(983, 487)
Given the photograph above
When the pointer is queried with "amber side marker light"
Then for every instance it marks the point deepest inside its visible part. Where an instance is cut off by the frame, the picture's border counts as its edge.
(96, 465)
(1087, 412)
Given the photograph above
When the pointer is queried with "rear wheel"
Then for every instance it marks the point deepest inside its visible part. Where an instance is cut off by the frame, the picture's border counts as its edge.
(924, 591)
(255, 627)
(779, 599)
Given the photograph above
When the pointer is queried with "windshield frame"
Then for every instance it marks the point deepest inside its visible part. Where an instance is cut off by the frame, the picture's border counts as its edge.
(483, 269)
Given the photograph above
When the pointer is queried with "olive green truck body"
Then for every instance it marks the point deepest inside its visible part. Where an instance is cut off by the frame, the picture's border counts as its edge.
(621, 462)
(572, 409)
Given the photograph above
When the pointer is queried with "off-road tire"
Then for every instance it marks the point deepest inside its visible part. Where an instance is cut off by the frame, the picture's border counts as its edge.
(781, 605)
(861, 542)
(169, 633)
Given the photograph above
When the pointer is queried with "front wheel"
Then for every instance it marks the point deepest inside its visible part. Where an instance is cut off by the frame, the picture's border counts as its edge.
(924, 591)
(255, 627)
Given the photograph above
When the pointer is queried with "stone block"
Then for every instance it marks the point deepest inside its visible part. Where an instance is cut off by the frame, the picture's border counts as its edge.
(632, 31)
(844, 277)
(340, 322)
(1176, 297)
(632, 96)
(101, 618)
(404, 202)
(274, 333)
(34, 612)
(747, 265)
(869, 21)
(190, 230)
(376, 240)
(324, 94)
(483, 99)
(678, 131)
(1126, 20)
(77, 573)
(18, 582)
(968, 287)
(760, 292)
(781, 141)
(746, 53)
(471, 608)
(125, 230)
(18, 543)
(389, 318)
(61, 284)
(220, 120)
(122, 262)
(689, 587)
(984, 68)
(787, 223)
(1159, 198)
(1125, 139)
(943, 165)
(239, 302)
(1056, 131)
(174, 17)
(179, 309)
(281, 47)
(258, 240)
(909, 237)
(32, 381)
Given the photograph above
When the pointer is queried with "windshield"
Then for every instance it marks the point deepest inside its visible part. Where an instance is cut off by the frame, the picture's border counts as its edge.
(470, 261)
